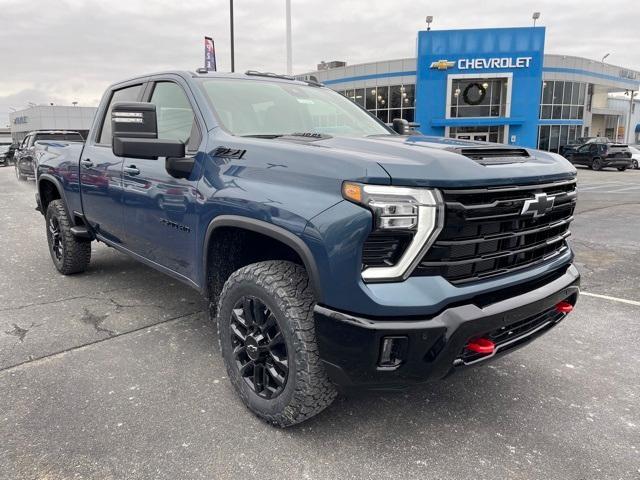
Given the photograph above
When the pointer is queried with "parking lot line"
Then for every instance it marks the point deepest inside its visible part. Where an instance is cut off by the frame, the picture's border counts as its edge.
(615, 299)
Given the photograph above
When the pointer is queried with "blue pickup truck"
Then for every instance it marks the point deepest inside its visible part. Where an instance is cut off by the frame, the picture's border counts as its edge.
(336, 252)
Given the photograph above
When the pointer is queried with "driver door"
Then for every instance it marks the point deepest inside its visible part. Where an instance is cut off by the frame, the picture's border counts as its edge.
(160, 210)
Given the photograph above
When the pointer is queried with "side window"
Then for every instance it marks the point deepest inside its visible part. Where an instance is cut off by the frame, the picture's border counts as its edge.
(128, 94)
(176, 120)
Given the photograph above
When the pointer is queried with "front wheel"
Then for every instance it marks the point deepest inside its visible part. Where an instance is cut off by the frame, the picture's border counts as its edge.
(69, 254)
(596, 164)
(267, 338)
(634, 164)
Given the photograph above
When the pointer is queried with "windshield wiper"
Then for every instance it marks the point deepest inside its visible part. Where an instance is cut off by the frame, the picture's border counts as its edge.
(264, 135)
(307, 135)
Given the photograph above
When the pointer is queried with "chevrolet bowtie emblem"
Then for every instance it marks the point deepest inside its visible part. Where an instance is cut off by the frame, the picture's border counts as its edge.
(442, 64)
(539, 205)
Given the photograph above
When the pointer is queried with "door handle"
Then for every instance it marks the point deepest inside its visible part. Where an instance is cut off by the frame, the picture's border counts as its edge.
(86, 163)
(131, 170)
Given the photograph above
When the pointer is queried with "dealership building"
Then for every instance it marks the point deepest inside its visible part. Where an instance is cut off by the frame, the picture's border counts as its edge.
(50, 117)
(494, 85)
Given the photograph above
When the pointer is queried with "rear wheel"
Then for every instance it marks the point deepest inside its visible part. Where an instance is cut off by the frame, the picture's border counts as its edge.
(267, 338)
(622, 169)
(634, 164)
(596, 164)
(69, 254)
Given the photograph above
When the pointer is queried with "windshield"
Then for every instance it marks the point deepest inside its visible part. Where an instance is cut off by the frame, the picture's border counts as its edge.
(262, 108)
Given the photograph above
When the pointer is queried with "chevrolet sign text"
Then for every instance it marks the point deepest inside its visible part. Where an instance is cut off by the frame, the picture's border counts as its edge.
(484, 63)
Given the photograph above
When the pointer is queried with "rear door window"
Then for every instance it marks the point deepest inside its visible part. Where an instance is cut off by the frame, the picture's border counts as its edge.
(127, 94)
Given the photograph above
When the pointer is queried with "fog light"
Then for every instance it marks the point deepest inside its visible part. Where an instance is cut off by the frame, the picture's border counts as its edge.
(392, 351)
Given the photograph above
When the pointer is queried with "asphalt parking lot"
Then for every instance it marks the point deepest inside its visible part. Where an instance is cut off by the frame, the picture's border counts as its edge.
(116, 374)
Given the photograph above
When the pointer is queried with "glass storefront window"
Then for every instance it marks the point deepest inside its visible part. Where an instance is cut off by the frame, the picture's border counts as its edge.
(386, 103)
(408, 114)
(552, 137)
(478, 97)
(485, 133)
(359, 96)
(371, 96)
(383, 115)
(562, 100)
(395, 94)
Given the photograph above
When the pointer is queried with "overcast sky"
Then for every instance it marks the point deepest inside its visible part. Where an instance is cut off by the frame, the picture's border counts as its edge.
(70, 50)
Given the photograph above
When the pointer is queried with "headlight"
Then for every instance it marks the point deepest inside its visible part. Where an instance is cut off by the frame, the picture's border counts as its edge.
(418, 210)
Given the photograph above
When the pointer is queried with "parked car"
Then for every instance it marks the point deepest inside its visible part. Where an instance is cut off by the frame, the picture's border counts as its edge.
(25, 158)
(573, 145)
(635, 156)
(602, 155)
(4, 155)
(335, 253)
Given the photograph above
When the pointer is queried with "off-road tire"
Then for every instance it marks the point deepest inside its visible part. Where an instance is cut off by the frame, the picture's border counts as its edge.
(596, 164)
(76, 254)
(284, 289)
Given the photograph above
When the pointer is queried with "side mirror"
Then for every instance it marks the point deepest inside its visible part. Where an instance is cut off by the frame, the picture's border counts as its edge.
(400, 126)
(135, 133)
(403, 127)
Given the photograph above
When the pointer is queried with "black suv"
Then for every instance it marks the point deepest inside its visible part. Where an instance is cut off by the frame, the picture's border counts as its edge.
(600, 155)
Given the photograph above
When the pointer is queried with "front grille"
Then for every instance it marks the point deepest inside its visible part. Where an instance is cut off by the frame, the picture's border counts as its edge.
(513, 335)
(485, 234)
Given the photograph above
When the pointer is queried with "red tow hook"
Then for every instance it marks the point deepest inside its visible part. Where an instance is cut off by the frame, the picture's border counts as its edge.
(564, 307)
(483, 346)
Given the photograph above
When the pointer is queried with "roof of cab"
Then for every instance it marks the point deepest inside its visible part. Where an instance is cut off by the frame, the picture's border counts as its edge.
(248, 75)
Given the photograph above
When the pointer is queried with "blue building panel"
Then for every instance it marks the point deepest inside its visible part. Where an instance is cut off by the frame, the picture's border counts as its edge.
(513, 54)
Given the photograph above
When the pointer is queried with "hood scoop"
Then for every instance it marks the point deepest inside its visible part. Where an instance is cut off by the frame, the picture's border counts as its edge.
(494, 155)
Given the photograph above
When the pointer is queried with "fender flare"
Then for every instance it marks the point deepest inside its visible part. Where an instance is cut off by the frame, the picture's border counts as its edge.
(58, 185)
(270, 230)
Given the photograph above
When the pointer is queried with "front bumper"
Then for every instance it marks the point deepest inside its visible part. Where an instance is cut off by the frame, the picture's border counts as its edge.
(350, 345)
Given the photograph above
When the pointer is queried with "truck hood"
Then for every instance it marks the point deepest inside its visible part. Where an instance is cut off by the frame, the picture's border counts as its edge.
(444, 162)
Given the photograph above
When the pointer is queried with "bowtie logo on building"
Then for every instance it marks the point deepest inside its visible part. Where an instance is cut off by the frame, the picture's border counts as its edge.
(538, 206)
(442, 64)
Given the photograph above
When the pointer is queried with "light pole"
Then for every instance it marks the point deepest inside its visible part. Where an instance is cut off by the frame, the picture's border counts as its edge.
(631, 94)
(429, 20)
(233, 60)
(289, 48)
(535, 16)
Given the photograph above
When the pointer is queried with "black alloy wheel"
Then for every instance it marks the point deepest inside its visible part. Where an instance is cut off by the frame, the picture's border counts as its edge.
(259, 347)
(56, 241)
(635, 164)
(596, 164)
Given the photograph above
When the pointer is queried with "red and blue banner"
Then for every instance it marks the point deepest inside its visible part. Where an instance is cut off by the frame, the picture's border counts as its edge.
(209, 54)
